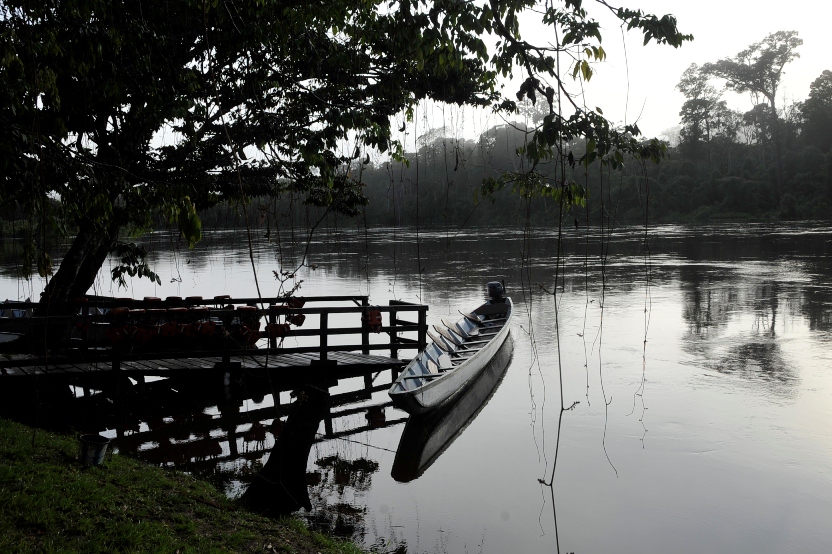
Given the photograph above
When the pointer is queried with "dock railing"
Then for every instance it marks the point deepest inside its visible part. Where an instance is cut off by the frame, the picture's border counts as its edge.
(123, 329)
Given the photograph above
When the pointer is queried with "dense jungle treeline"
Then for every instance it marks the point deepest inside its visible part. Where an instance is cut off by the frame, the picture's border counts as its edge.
(721, 164)
(441, 186)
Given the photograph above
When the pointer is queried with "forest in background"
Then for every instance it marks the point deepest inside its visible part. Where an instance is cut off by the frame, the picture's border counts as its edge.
(721, 165)
(726, 174)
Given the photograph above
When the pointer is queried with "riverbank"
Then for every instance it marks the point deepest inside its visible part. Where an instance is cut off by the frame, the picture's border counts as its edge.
(50, 502)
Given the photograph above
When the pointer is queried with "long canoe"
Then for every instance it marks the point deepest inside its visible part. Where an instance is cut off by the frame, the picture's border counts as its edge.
(459, 352)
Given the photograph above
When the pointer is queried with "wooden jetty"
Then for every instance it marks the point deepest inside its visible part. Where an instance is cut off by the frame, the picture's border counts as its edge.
(304, 338)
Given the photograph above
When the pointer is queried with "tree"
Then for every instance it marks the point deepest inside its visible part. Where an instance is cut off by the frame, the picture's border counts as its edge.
(817, 113)
(758, 70)
(113, 111)
(698, 111)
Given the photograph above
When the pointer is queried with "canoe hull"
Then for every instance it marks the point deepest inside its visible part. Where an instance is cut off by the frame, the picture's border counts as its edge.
(451, 384)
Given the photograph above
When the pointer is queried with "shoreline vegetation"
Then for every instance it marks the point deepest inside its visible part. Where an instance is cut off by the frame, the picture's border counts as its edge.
(49, 502)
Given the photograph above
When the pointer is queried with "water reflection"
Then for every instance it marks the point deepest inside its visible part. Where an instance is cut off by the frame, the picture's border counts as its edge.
(334, 484)
(236, 434)
(757, 361)
(734, 321)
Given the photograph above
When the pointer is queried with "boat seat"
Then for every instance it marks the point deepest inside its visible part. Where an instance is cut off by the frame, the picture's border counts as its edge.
(433, 351)
(461, 353)
(427, 376)
(491, 309)
(459, 357)
(470, 342)
(419, 368)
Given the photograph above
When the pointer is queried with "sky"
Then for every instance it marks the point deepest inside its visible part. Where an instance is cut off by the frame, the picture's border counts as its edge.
(720, 29)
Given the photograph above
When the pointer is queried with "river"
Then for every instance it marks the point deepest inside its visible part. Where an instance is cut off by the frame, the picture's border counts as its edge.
(699, 415)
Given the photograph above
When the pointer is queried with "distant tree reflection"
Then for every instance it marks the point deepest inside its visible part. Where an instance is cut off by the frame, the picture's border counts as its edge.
(721, 337)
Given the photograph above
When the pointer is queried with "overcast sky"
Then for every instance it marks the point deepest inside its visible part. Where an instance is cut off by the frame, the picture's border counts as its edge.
(721, 28)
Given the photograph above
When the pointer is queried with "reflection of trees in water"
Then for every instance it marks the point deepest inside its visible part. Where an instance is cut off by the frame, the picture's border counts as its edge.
(766, 308)
(816, 306)
(757, 361)
(707, 310)
(332, 485)
(340, 473)
(712, 302)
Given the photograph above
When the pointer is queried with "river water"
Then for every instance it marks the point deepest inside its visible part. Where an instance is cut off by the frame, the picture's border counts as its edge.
(699, 414)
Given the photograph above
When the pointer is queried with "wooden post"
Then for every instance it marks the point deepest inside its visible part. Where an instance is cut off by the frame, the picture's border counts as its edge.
(324, 325)
(423, 327)
(394, 336)
(272, 320)
(365, 329)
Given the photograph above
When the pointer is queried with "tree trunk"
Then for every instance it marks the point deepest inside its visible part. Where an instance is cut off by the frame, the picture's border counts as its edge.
(80, 266)
(280, 487)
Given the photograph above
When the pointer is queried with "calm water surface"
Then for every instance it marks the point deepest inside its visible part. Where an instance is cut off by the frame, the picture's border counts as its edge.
(702, 408)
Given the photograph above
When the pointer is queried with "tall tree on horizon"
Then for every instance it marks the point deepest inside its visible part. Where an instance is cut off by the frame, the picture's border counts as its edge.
(758, 70)
(698, 111)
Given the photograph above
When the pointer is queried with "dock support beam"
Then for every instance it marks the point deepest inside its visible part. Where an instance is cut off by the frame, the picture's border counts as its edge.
(423, 329)
(365, 330)
(324, 335)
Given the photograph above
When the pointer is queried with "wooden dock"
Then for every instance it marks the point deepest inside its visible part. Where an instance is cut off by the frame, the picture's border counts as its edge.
(154, 337)
(342, 364)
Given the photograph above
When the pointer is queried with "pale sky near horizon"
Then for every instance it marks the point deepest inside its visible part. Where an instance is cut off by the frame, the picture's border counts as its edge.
(720, 29)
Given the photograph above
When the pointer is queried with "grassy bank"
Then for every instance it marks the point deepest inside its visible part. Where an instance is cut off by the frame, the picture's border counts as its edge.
(49, 502)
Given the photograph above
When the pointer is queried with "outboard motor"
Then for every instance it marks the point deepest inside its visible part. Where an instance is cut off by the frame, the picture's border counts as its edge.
(496, 291)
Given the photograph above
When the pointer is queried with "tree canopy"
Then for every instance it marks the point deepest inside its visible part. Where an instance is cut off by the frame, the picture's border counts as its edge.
(758, 70)
(115, 111)
(817, 112)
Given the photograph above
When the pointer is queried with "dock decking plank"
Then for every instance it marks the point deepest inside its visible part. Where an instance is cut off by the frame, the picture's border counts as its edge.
(168, 365)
